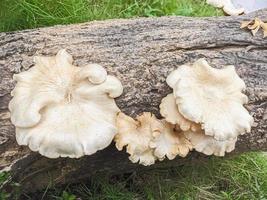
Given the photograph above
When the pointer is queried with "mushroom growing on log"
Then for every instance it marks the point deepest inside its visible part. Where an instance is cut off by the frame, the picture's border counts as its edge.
(141, 53)
(61, 110)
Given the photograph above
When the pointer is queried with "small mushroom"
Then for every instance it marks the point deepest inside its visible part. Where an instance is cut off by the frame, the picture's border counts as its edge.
(208, 145)
(212, 97)
(62, 110)
(169, 110)
(136, 135)
(227, 6)
(168, 142)
(254, 25)
(148, 139)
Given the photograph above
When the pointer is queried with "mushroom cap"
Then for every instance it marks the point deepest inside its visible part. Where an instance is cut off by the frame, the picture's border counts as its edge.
(212, 97)
(64, 111)
(136, 135)
(169, 110)
(227, 5)
(208, 145)
(230, 9)
(145, 158)
(169, 142)
(216, 3)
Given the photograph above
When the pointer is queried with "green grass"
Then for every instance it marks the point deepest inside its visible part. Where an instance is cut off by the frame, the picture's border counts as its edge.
(24, 14)
(240, 178)
(3, 177)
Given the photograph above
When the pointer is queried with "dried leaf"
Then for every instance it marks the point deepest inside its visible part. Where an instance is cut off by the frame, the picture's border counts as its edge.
(264, 27)
(254, 26)
(245, 24)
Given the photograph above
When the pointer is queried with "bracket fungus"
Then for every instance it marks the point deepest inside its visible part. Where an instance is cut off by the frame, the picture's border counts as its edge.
(211, 99)
(148, 139)
(62, 110)
(169, 110)
(227, 6)
(169, 142)
(208, 145)
(137, 135)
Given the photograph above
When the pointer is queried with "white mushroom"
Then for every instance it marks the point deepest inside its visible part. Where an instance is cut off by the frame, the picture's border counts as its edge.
(62, 110)
(169, 110)
(227, 6)
(169, 142)
(208, 145)
(212, 97)
(137, 135)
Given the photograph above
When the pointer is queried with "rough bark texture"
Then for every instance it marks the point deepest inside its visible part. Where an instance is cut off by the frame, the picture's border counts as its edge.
(141, 53)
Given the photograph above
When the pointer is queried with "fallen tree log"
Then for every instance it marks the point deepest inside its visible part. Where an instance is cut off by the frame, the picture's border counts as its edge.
(141, 53)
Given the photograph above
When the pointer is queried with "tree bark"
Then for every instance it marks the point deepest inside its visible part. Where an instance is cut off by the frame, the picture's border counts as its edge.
(141, 53)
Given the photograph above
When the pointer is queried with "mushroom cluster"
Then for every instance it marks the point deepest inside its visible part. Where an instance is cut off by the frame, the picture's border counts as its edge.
(207, 104)
(227, 6)
(204, 112)
(148, 139)
(62, 110)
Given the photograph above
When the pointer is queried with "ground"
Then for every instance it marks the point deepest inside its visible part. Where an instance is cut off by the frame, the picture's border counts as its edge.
(240, 177)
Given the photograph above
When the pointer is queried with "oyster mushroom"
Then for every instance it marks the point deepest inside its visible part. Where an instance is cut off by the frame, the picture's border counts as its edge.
(227, 6)
(62, 110)
(208, 145)
(211, 97)
(136, 135)
(168, 142)
(169, 110)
